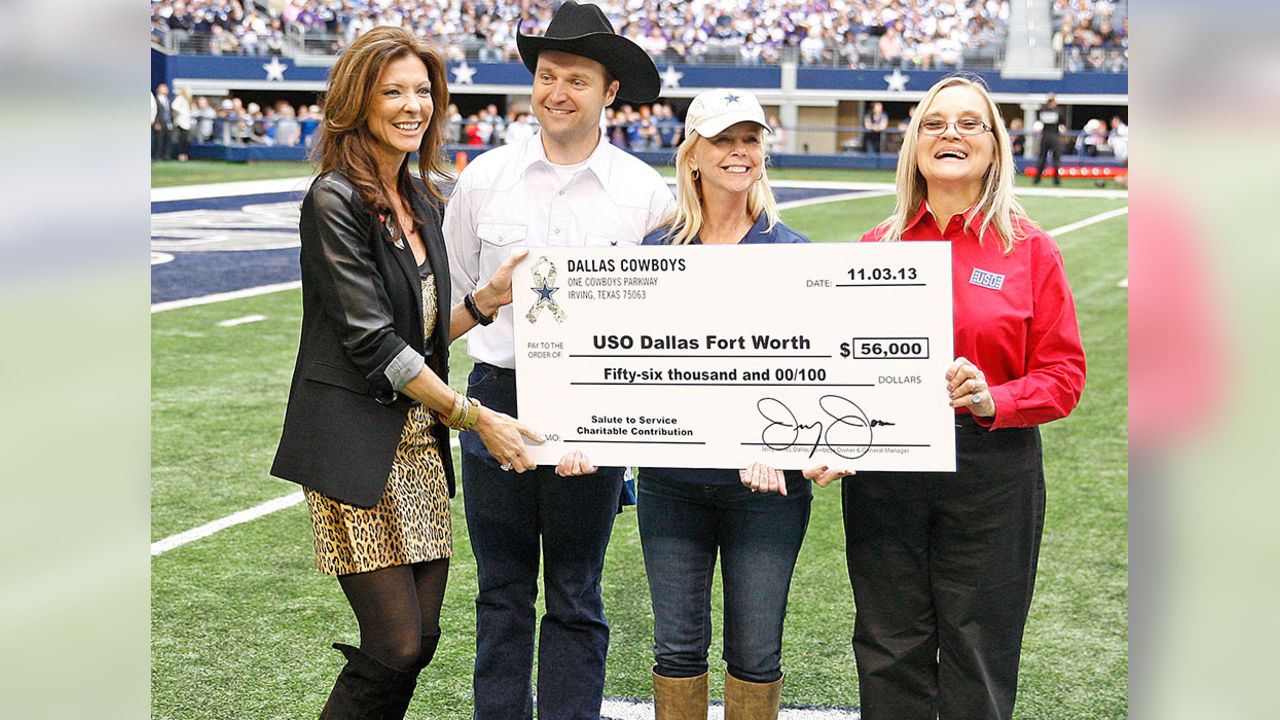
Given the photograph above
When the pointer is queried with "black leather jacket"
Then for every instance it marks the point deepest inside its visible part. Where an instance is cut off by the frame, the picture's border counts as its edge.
(361, 305)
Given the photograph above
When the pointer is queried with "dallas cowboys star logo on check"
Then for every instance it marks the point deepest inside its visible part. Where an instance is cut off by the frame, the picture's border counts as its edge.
(545, 286)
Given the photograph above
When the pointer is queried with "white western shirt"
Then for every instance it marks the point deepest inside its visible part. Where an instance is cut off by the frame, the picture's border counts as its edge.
(511, 197)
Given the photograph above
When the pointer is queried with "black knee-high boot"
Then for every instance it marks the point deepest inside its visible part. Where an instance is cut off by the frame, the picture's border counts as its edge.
(366, 689)
(397, 708)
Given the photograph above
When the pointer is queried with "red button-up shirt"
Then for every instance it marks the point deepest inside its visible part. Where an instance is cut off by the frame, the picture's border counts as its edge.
(1015, 318)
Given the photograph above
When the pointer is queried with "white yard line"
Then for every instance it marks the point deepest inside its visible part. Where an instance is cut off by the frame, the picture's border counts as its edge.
(1094, 219)
(618, 709)
(859, 195)
(163, 546)
(219, 297)
(231, 189)
(300, 184)
(241, 320)
(160, 547)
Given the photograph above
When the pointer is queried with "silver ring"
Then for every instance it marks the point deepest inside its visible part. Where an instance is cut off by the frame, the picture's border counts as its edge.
(977, 398)
(506, 466)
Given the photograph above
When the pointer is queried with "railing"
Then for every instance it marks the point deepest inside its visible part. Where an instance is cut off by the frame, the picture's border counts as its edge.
(1099, 58)
(240, 130)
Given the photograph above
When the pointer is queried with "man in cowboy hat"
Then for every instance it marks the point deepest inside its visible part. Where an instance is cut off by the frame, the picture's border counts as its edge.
(564, 186)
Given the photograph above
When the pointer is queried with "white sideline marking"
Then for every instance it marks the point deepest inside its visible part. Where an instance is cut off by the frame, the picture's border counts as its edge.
(833, 198)
(163, 546)
(1089, 221)
(241, 320)
(160, 547)
(618, 709)
(300, 184)
(229, 189)
(219, 297)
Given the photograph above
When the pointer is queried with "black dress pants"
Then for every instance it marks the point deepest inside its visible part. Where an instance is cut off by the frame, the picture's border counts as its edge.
(1050, 146)
(943, 566)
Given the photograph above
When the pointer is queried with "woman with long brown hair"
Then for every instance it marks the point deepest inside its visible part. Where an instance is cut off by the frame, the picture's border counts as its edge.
(366, 431)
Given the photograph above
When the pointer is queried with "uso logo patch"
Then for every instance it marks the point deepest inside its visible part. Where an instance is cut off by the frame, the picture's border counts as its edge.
(986, 279)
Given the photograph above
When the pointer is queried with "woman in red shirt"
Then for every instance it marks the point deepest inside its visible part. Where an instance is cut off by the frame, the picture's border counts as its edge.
(943, 564)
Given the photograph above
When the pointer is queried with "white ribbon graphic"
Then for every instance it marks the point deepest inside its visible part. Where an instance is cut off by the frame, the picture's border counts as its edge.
(545, 287)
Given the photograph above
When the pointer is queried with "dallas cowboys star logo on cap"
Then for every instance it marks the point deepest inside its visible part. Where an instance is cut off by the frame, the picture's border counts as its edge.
(731, 98)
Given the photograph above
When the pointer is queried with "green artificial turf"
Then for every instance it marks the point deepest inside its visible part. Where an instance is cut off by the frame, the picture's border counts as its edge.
(241, 621)
(200, 172)
(197, 172)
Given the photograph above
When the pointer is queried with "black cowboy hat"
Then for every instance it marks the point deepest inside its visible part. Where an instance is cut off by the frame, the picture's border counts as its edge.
(584, 30)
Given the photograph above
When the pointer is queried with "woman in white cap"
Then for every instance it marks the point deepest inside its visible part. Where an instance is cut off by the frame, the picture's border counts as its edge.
(754, 519)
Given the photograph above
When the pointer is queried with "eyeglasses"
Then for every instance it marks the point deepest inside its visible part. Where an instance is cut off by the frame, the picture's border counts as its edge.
(963, 126)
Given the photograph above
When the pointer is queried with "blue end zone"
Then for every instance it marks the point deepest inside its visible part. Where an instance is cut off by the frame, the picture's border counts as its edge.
(194, 273)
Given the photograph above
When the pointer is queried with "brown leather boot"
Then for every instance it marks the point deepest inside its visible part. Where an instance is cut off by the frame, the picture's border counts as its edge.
(680, 698)
(751, 701)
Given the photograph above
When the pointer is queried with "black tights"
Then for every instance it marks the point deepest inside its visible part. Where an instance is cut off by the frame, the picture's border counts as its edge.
(395, 607)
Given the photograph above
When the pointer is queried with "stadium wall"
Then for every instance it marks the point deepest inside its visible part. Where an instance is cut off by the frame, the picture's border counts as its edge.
(823, 100)
(840, 161)
(220, 75)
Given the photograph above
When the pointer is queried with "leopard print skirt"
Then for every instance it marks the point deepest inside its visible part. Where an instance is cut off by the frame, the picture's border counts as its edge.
(411, 523)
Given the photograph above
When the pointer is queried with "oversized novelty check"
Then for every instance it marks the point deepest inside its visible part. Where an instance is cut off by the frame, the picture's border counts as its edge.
(718, 357)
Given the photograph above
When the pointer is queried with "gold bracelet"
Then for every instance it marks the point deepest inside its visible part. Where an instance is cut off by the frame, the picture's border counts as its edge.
(473, 414)
(459, 412)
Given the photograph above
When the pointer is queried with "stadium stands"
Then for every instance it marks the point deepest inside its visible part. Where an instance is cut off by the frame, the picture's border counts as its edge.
(921, 34)
(1091, 35)
(849, 51)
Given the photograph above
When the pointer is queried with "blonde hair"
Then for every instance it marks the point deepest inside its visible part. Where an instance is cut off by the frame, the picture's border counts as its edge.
(1000, 210)
(686, 221)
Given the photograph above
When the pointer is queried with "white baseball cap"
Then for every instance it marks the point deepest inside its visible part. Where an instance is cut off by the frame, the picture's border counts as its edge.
(713, 111)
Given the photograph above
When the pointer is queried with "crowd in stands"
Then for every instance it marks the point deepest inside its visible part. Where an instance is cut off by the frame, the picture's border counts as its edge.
(217, 27)
(644, 127)
(1091, 35)
(836, 33)
(226, 121)
(231, 121)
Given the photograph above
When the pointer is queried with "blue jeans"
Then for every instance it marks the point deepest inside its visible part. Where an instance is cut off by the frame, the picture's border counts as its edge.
(758, 536)
(514, 521)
